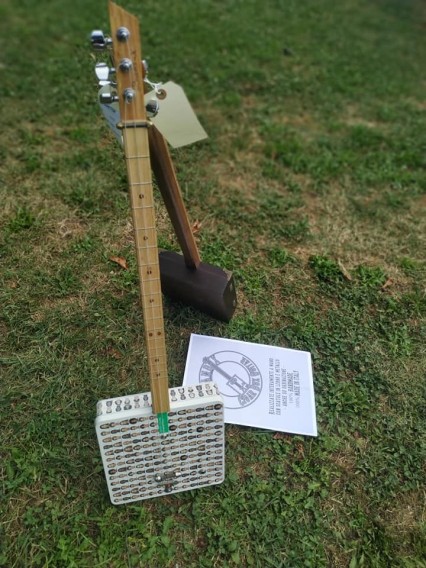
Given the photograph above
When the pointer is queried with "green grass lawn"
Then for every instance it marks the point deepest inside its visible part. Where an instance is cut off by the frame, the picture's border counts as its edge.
(311, 189)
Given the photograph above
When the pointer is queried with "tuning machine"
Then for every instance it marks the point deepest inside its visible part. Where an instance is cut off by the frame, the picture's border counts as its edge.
(108, 97)
(152, 107)
(104, 72)
(99, 40)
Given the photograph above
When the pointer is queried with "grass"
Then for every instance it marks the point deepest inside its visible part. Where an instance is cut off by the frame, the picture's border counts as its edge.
(316, 117)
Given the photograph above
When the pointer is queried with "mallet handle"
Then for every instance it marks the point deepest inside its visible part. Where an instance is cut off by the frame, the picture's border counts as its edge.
(165, 175)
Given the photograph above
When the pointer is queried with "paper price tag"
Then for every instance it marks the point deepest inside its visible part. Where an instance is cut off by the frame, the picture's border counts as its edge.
(176, 119)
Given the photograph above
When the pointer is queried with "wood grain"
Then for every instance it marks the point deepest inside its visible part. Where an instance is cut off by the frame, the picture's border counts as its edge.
(168, 184)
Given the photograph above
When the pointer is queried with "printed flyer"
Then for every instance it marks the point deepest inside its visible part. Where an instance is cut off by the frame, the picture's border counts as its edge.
(262, 386)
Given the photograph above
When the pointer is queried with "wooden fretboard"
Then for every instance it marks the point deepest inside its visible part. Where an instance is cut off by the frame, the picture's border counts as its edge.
(138, 163)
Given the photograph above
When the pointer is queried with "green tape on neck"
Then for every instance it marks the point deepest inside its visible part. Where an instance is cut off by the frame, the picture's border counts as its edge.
(163, 422)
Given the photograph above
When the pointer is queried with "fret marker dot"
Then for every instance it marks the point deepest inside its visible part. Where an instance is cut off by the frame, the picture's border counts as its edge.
(150, 335)
(159, 333)
(141, 196)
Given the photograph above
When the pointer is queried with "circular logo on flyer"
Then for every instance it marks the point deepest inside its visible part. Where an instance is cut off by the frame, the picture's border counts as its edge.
(238, 377)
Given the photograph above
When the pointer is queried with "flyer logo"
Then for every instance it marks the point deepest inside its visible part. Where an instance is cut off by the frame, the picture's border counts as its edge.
(238, 377)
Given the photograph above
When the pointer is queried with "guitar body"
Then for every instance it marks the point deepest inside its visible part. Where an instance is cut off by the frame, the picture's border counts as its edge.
(140, 463)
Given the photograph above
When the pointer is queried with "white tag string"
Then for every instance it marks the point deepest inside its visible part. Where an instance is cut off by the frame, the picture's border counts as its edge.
(155, 86)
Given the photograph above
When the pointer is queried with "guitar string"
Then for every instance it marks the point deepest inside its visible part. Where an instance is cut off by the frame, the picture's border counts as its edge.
(154, 350)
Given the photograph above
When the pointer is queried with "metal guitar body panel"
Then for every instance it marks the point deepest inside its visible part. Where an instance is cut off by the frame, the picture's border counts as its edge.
(140, 463)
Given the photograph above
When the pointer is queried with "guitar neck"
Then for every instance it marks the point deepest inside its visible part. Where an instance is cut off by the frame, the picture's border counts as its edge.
(130, 90)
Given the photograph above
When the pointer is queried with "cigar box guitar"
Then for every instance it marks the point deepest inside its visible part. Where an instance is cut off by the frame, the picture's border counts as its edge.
(166, 440)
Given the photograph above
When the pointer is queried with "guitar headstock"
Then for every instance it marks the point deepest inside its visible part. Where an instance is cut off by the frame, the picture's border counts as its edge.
(126, 50)
(122, 78)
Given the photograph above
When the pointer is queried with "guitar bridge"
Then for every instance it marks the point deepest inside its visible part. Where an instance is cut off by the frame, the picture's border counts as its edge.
(140, 463)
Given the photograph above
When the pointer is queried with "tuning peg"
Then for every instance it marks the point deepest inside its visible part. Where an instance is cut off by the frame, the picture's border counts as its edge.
(99, 41)
(145, 66)
(107, 98)
(103, 72)
(152, 108)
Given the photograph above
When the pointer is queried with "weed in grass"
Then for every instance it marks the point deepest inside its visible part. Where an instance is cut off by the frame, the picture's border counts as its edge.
(370, 277)
(326, 269)
(83, 245)
(410, 266)
(279, 257)
(22, 220)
